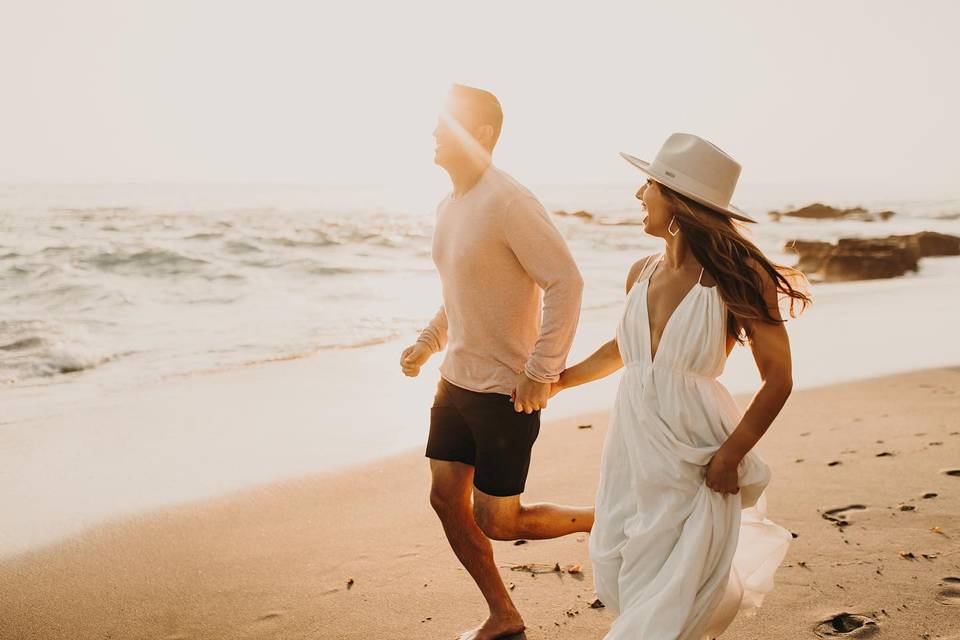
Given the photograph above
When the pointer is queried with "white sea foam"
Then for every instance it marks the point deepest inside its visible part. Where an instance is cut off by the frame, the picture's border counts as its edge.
(204, 278)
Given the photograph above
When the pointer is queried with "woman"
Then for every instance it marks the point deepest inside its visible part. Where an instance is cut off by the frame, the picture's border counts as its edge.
(681, 542)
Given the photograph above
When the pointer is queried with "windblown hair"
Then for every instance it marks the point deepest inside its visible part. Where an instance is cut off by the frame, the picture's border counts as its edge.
(736, 264)
(482, 104)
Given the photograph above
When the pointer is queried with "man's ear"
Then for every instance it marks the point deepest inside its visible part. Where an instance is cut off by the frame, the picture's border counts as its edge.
(484, 135)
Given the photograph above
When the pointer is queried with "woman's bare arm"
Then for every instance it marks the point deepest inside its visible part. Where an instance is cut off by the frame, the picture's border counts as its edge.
(600, 364)
(604, 360)
(771, 352)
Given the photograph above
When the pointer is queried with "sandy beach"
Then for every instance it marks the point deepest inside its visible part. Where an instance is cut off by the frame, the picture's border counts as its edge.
(357, 553)
(222, 226)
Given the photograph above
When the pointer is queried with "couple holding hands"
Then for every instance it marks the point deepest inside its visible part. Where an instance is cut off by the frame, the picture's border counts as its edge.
(679, 539)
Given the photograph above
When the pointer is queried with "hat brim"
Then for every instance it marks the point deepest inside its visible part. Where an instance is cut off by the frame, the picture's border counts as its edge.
(645, 166)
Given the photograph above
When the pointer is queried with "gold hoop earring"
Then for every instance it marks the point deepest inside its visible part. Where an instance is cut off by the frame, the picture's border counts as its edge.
(671, 232)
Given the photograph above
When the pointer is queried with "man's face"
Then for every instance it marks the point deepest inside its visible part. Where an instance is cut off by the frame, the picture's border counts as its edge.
(456, 135)
(447, 147)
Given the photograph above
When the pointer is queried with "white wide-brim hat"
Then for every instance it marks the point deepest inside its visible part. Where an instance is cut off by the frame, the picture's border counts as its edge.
(696, 168)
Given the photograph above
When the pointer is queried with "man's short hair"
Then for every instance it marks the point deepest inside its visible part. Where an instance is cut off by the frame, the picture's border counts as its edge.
(483, 105)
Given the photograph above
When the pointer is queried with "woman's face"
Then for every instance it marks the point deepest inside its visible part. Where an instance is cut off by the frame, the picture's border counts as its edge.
(653, 202)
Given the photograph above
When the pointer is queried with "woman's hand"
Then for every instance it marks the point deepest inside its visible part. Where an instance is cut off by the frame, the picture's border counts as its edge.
(722, 475)
(556, 387)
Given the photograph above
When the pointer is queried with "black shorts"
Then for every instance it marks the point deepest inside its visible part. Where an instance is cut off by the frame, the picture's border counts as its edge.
(483, 430)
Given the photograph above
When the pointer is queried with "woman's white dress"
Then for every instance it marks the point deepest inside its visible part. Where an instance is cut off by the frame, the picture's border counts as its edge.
(673, 558)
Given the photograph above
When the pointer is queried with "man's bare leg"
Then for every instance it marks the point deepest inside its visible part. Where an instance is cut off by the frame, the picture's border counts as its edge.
(507, 519)
(451, 497)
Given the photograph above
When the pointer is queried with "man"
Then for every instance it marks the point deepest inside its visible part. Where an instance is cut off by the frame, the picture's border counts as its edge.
(496, 250)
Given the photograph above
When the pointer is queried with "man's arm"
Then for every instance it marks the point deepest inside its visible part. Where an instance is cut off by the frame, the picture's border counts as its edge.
(544, 255)
(433, 338)
(435, 333)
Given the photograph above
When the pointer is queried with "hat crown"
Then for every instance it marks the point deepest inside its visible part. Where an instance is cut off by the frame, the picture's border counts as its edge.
(700, 165)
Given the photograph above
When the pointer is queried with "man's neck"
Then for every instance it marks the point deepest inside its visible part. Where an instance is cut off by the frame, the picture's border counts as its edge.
(465, 177)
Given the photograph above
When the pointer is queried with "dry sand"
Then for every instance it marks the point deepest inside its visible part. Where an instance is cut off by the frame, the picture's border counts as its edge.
(277, 561)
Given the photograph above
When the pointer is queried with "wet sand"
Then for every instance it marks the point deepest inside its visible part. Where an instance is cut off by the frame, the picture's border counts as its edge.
(359, 554)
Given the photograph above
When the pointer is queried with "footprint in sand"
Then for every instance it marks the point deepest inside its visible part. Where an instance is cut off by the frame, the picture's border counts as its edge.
(270, 615)
(847, 625)
(949, 595)
(838, 516)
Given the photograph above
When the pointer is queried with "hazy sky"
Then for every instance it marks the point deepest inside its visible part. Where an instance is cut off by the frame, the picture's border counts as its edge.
(862, 93)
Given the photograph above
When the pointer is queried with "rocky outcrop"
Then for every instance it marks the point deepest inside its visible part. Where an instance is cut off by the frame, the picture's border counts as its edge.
(586, 215)
(930, 243)
(810, 254)
(606, 221)
(817, 211)
(869, 258)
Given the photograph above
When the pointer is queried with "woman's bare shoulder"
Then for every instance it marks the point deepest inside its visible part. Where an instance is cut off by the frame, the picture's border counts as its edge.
(636, 269)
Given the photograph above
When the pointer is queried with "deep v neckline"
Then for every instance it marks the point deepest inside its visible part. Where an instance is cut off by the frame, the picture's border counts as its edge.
(651, 353)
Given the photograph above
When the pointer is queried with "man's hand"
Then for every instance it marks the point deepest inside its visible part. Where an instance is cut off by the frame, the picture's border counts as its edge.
(722, 475)
(413, 357)
(529, 395)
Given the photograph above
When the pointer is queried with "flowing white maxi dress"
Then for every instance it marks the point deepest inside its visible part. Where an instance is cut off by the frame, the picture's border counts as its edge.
(673, 558)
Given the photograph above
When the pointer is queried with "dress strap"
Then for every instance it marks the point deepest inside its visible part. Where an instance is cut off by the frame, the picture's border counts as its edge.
(701, 276)
(649, 267)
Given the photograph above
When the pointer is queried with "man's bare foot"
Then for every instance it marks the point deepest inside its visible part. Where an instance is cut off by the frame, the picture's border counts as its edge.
(496, 627)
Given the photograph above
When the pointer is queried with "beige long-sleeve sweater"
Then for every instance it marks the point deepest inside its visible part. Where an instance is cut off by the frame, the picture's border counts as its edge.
(499, 257)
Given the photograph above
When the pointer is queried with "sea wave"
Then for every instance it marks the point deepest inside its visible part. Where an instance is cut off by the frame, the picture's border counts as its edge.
(65, 360)
(69, 297)
(322, 241)
(35, 270)
(23, 343)
(239, 246)
(146, 261)
(93, 210)
(204, 235)
(45, 351)
(339, 271)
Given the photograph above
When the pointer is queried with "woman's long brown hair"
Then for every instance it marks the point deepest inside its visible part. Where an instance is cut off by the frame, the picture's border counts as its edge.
(733, 260)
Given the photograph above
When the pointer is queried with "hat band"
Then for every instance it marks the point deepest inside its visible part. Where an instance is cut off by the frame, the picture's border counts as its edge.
(692, 185)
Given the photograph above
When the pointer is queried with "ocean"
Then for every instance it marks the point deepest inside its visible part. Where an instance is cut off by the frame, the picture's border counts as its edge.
(104, 287)
(141, 329)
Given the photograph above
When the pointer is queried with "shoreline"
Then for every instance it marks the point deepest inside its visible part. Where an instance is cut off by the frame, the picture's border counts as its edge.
(196, 437)
(274, 560)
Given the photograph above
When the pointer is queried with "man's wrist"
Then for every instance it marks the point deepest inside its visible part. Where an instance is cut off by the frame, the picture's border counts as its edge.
(427, 343)
(539, 378)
